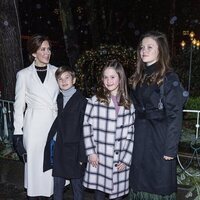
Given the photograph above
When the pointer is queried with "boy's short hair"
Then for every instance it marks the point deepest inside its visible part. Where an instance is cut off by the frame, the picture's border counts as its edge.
(63, 69)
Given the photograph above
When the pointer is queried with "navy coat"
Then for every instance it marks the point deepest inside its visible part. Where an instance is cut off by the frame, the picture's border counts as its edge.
(69, 148)
(157, 133)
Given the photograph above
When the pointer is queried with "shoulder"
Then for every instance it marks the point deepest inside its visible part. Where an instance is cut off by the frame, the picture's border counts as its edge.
(92, 101)
(52, 67)
(80, 96)
(25, 71)
(171, 76)
(171, 80)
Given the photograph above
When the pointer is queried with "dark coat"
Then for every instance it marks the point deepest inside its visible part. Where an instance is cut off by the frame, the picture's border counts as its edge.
(69, 148)
(157, 133)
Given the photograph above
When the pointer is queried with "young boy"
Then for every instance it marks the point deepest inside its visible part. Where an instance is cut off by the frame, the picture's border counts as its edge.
(68, 156)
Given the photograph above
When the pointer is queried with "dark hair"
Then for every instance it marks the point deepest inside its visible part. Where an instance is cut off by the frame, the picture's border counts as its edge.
(34, 43)
(103, 94)
(162, 65)
(63, 69)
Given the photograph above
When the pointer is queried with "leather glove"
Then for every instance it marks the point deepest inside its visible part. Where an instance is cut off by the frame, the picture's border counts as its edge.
(19, 147)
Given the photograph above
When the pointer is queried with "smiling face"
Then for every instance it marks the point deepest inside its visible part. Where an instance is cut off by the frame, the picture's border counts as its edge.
(66, 81)
(42, 55)
(149, 51)
(111, 80)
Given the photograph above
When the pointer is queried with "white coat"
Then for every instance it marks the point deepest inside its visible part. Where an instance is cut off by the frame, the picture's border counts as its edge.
(34, 112)
(110, 136)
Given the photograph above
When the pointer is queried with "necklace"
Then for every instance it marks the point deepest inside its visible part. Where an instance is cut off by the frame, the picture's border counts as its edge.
(41, 69)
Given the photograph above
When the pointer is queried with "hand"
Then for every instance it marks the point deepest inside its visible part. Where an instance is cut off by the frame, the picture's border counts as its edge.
(121, 166)
(18, 144)
(168, 158)
(93, 160)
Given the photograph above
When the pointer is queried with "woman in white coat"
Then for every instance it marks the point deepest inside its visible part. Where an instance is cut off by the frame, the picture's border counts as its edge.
(34, 112)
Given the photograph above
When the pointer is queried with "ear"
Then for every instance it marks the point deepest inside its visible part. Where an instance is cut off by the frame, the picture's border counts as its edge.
(34, 55)
(74, 81)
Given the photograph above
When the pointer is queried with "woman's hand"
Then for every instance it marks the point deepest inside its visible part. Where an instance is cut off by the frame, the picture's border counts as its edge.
(121, 166)
(168, 158)
(93, 160)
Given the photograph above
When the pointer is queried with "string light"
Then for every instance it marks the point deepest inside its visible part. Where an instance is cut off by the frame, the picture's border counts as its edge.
(89, 66)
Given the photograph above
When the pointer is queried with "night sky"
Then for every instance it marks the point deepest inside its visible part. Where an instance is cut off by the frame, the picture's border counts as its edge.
(119, 21)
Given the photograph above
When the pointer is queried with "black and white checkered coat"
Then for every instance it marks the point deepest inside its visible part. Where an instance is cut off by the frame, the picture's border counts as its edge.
(111, 138)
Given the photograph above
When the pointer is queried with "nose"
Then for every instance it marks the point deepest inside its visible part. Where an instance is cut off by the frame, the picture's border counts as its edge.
(48, 51)
(143, 50)
(108, 81)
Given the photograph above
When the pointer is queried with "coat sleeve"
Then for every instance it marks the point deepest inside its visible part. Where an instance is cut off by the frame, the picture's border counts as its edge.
(173, 107)
(47, 152)
(82, 154)
(88, 130)
(126, 154)
(19, 104)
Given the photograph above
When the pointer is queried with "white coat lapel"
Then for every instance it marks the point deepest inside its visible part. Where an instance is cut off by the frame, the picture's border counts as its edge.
(48, 87)
(50, 82)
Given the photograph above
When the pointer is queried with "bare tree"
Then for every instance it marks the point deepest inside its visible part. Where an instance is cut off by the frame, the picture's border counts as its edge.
(70, 36)
(11, 59)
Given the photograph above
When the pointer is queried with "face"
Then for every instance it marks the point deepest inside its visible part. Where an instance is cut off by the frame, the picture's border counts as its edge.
(66, 81)
(111, 80)
(149, 51)
(42, 55)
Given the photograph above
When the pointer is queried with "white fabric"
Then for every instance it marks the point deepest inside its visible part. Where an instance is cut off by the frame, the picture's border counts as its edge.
(38, 101)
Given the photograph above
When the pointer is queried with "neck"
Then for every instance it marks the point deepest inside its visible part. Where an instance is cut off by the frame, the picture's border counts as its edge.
(38, 64)
(151, 63)
(71, 89)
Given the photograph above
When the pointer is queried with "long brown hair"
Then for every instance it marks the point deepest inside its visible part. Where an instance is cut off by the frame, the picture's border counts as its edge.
(162, 65)
(103, 94)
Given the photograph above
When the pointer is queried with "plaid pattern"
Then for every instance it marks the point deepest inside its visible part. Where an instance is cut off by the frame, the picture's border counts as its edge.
(111, 138)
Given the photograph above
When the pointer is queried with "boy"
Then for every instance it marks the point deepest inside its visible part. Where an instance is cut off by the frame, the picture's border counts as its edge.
(68, 156)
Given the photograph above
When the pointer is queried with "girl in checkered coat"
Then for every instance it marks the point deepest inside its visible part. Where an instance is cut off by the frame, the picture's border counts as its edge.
(108, 135)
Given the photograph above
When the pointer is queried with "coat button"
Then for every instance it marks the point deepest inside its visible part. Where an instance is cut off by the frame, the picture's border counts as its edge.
(115, 164)
(117, 152)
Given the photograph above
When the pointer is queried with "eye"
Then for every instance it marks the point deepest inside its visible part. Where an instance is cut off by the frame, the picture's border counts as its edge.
(140, 48)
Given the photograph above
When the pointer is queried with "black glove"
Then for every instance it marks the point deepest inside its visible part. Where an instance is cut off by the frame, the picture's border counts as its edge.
(19, 147)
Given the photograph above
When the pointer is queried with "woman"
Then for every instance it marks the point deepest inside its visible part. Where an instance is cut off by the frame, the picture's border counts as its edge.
(34, 112)
(158, 121)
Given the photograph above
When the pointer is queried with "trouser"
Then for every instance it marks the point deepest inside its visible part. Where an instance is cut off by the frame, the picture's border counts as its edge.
(99, 195)
(77, 188)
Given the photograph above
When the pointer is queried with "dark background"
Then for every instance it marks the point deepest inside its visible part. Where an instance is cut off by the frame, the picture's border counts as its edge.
(116, 22)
